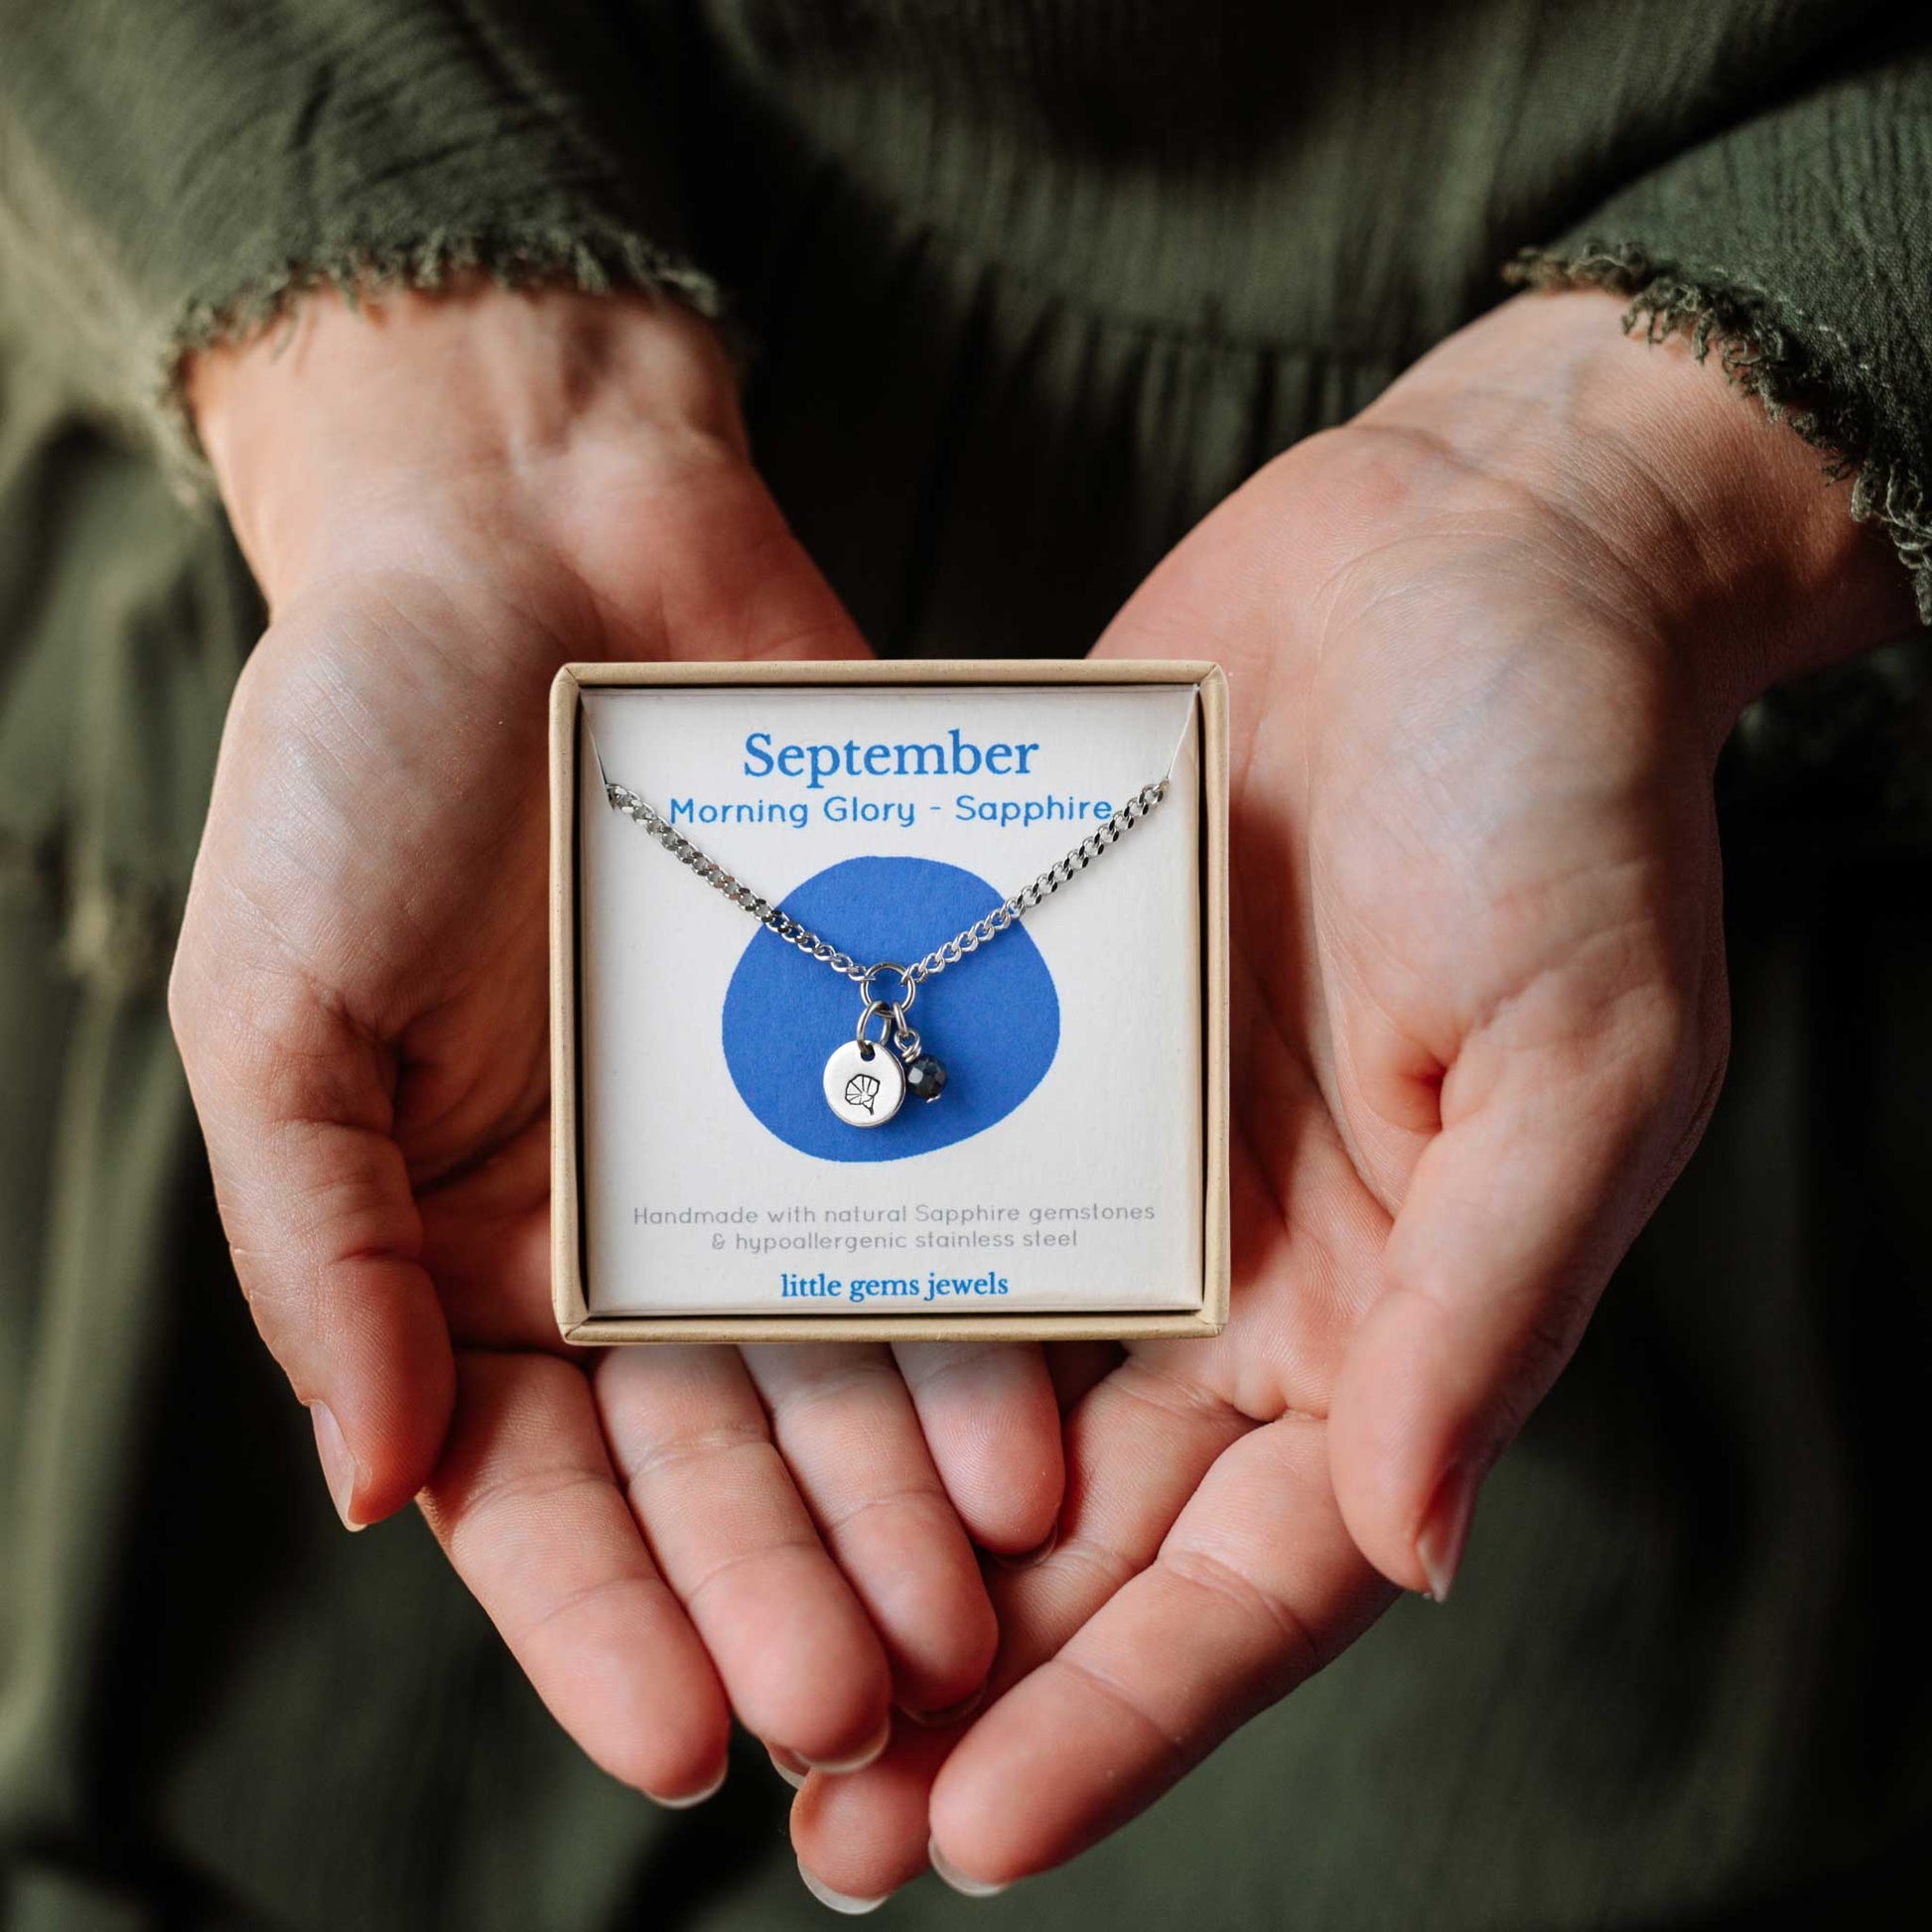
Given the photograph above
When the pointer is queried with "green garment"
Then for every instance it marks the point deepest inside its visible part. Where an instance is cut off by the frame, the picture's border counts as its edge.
(1027, 286)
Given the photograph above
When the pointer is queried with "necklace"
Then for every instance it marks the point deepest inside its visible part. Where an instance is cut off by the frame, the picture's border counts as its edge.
(868, 1081)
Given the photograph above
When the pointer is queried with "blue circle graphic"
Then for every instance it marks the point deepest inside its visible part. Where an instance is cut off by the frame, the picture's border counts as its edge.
(994, 1024)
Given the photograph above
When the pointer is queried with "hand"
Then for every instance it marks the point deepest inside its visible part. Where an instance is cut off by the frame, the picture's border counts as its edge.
(1484, 643)
(444, 499)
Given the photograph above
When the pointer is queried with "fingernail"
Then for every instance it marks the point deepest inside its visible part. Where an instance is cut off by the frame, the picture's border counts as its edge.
(841, 1767)
(711, 1790)
(951, 1715)
(337, 1465)
(838, 1901)
(1445, 1529)
(1028, 1558)
(794, 1770)
(950, 1874)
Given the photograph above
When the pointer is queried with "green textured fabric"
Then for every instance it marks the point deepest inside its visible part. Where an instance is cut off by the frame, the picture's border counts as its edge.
(173, 177)
(1030, 285)
(1797, 243)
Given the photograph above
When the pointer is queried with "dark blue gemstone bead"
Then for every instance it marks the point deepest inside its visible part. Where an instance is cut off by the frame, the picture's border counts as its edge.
(925, 1078)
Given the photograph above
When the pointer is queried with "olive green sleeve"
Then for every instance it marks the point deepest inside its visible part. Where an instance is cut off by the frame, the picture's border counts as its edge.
(171, 175)
(1798, 246)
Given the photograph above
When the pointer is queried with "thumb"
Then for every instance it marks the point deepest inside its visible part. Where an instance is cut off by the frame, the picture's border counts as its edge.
(321, 1219)
(1551, 1157)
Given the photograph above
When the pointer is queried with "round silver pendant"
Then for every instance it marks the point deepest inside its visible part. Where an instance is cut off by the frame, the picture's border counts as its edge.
(865, 1084)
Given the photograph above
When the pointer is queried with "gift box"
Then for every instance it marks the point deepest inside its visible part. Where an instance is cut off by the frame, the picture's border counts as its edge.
(888, 1000)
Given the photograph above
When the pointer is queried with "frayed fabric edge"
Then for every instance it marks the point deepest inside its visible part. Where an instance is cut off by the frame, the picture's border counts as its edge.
(594, 258)
(1765, 357)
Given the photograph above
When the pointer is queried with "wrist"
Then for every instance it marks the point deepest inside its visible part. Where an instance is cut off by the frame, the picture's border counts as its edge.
(329, 435)
(1714, 525)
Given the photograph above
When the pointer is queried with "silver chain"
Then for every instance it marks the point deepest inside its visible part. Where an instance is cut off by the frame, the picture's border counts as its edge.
(939, 958)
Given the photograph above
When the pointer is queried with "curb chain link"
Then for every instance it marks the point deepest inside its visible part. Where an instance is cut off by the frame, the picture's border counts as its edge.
(1009, 913)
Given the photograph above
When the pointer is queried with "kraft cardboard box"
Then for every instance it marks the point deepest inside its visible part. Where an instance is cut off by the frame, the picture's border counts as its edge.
(1069, 1178)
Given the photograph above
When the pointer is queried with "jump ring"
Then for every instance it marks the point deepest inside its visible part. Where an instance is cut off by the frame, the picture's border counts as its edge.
(894, 1017)
(909, 986)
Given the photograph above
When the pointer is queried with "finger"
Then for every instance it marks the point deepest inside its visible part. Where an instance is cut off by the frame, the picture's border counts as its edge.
(662, 596)
(527, 1506)
(795, 1649)
(1552, 1153)
(782, 609)
(993, 1423)
(845, 1426)
(864, 1835)
(1137, 1447)
(322, 1225)
(486, 1246)
(1256, 1588)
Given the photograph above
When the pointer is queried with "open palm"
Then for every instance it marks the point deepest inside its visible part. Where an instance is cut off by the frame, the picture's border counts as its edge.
(1480, 1021)
(664, 1537)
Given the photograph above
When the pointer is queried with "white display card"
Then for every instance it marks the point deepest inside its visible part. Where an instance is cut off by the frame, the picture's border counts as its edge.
(1060, 1170)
